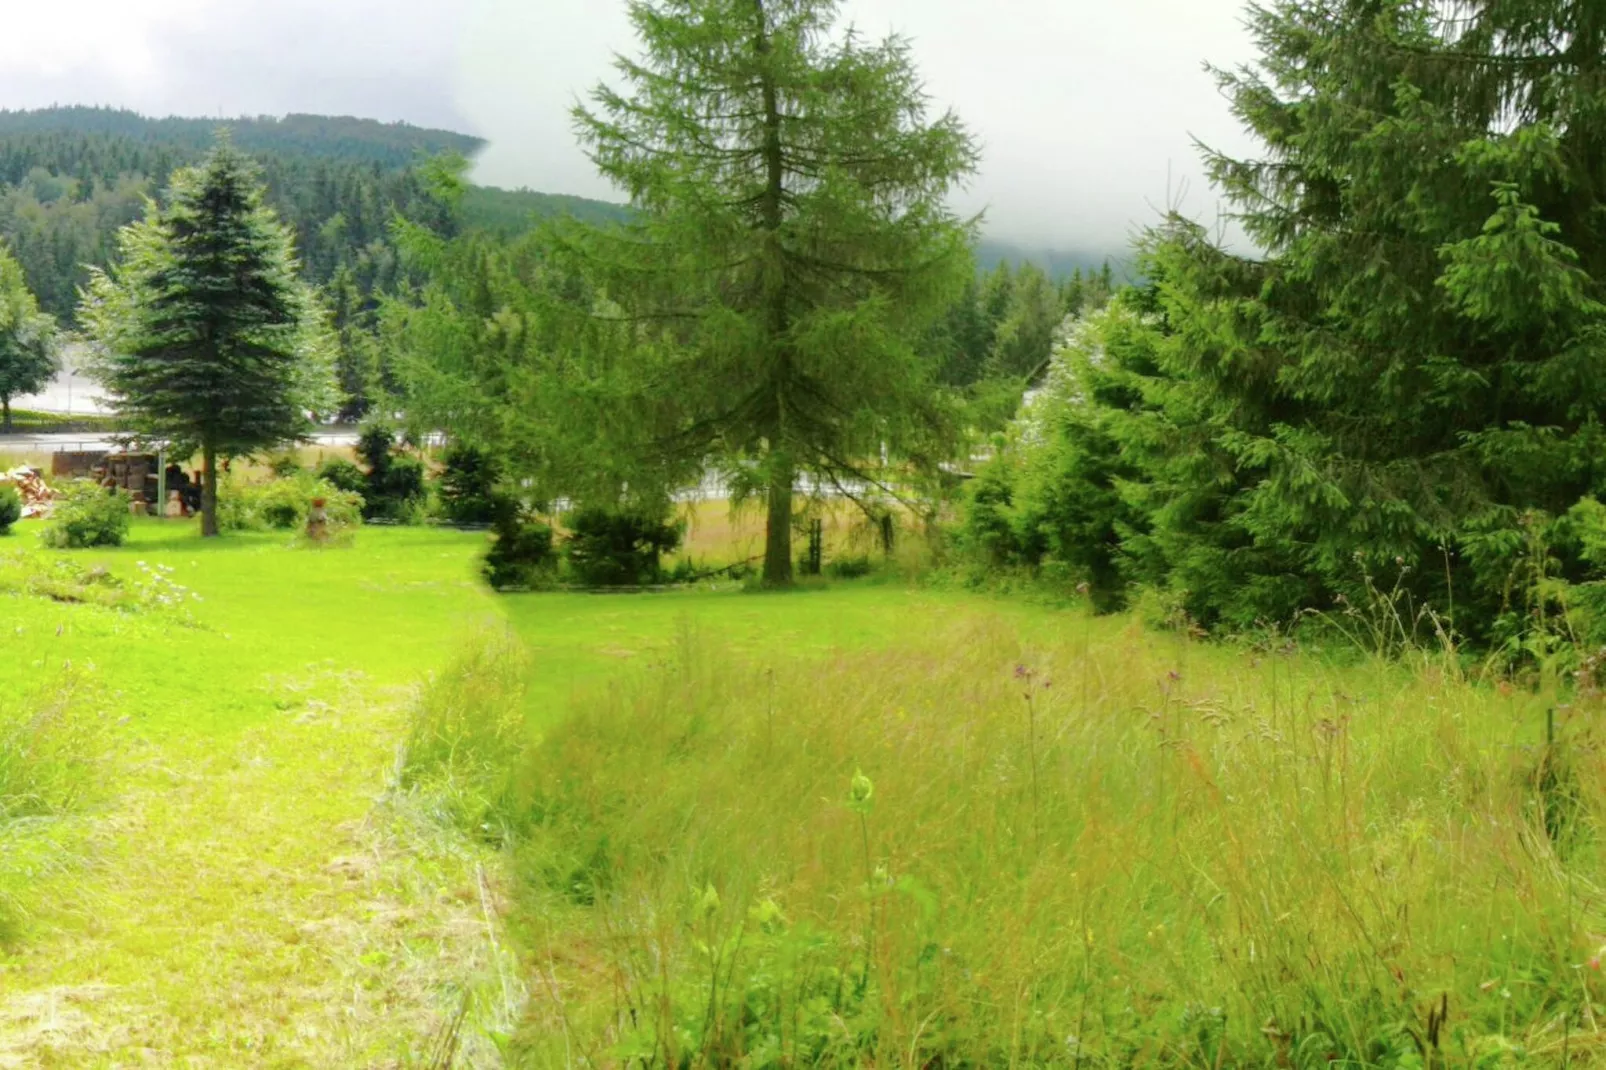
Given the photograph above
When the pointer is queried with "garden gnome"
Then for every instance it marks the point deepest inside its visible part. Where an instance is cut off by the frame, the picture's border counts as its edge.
(318, 521)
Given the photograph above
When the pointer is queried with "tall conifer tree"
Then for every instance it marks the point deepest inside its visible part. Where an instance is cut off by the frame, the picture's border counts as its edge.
(205, 336)
(793, 242)
(1412, 360)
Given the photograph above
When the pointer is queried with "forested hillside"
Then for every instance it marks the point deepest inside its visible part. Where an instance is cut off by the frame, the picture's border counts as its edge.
(69, 177)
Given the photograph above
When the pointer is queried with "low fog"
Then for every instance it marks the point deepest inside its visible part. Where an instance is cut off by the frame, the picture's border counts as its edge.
(1086, 108)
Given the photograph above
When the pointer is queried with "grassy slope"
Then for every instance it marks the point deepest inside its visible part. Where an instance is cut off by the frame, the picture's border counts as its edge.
(245, 902)
(1174, 855)
(1225, 846)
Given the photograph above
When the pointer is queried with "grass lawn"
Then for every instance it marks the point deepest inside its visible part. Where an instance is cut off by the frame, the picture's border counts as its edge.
(1076, 842)
(240, 899)
(236, 895)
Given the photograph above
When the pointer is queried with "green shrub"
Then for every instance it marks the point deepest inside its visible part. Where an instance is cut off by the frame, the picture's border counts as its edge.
(397, 492)
(343, 475)
(849, 568)
(283, 504)
(10, 508)
(394, 486)
(608, 548)
(88, 515)
(521, 555)
(468, 486)
(285, 466)
(467, 734)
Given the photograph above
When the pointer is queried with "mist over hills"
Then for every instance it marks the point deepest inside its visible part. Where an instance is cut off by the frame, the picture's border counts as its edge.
(69, 176)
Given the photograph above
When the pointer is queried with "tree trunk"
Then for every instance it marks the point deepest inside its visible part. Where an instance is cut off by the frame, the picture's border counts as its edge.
(208, 491)
(778, 532)
(5, 413)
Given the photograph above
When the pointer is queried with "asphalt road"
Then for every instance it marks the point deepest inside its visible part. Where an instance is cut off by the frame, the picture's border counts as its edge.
(72, 441)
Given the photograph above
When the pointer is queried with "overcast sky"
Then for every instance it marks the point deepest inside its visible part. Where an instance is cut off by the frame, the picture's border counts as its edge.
(1085, 107)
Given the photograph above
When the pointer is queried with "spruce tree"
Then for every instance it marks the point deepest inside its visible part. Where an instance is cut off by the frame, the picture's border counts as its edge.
(27, 339)
(204, 335)
(792, 243)
(1410, 363)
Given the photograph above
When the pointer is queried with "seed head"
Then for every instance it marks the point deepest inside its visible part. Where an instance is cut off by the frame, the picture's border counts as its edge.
(708, 903)
(860, 792)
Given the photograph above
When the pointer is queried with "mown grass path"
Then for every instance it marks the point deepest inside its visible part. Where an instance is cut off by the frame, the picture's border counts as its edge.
(243, 897)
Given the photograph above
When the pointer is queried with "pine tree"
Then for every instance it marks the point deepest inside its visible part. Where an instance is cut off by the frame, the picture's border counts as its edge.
(792, 245)
(1025, 339)
(204, 335)
(27, 339)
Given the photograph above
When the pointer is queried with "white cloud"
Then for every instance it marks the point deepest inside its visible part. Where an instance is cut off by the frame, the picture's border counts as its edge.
(1086, 108)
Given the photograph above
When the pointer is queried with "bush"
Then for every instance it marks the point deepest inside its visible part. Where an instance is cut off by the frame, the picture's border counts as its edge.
(467, 735)
(394, 486)
(88, 515)
(397, 492)
(468, 486)
(10, 508)
(849, 568)
(283, 504)
(285, 465)
(521, 555)
(608, 548)
(343, 475)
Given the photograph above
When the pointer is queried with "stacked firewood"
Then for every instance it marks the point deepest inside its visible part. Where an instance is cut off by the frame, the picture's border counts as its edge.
(36, 495)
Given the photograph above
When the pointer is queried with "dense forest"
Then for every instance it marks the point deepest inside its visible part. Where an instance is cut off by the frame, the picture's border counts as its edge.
(71, 177)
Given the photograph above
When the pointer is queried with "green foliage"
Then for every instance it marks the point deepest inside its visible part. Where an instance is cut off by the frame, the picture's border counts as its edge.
(393, 487)
(85, 515)
(617, 547)
(10, 507)
(27, 338)
(849, 568)
(203, 332)
(343, 475)
(283, 504)
(512, 213)
(779, 284)
(468, 486)
(521, 556)
(284, 466)
(467, 733)
(1396, 395)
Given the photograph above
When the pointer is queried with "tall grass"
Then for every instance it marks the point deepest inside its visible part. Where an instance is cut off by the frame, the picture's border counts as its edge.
(467, 733)
(51, 745)
(1104, 849)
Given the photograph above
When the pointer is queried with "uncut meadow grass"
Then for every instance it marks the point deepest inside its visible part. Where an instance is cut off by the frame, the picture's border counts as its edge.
(1227, 859)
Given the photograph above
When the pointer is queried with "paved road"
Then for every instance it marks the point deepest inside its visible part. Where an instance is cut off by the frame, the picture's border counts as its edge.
(50, 443)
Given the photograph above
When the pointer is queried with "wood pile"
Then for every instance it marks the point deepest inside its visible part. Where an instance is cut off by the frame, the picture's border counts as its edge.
(36, 495)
